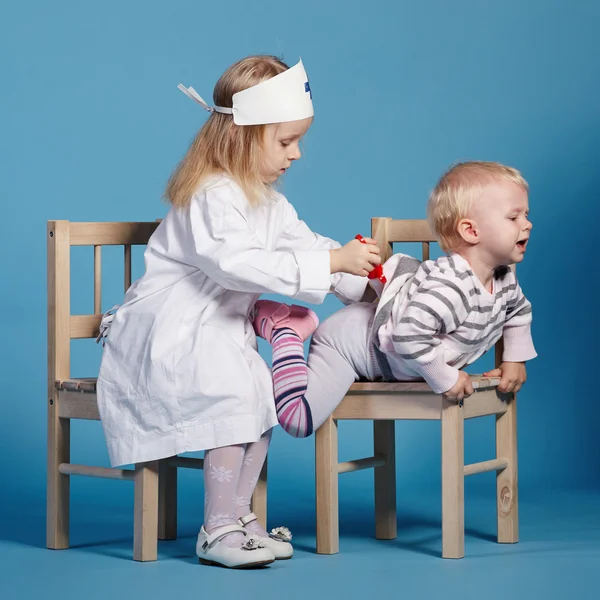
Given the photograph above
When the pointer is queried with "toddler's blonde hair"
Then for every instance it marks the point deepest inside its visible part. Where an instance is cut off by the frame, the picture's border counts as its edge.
(454, 193)
(221, 146)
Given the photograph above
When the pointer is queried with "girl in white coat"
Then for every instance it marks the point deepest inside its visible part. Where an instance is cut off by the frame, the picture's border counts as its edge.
(180, 370)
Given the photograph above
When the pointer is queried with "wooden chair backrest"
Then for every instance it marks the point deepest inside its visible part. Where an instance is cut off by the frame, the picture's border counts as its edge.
(62, 325)
(388, 231)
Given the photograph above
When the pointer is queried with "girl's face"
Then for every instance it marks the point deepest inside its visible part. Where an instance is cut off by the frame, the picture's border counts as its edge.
(280, 147)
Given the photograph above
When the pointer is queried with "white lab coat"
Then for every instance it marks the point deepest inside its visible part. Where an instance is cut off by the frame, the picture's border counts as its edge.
(180, 370)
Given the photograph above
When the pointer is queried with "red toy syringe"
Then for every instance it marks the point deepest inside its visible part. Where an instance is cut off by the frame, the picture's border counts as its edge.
(377, 272)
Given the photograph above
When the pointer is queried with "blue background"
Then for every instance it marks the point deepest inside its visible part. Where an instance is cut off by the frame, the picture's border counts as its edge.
(92, 125)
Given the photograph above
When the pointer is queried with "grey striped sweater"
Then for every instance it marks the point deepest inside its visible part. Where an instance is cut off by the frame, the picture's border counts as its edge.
(435, 317)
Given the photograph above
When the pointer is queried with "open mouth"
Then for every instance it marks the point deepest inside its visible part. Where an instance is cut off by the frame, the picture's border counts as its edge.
(522, 244)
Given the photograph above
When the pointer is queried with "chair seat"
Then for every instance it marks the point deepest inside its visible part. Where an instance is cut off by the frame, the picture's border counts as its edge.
(398, 400)
(385, 387)
(86, 384)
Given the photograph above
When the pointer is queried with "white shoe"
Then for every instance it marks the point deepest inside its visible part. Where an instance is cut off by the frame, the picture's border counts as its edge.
(278, 541)
(211, 551)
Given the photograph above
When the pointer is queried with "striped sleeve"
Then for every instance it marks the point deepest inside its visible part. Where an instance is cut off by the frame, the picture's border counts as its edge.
(438, 305)
(518, 343)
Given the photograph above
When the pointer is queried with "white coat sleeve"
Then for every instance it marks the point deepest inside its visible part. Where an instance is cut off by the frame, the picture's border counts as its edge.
(231, 254)
(296, 235)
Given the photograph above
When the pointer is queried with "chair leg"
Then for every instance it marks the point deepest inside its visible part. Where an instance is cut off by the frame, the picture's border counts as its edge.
(507, 480)
(326, 469)
(58, 485)
(453, 480)
(258, 503)
(384, 443)
(167, 501)
(145, 512)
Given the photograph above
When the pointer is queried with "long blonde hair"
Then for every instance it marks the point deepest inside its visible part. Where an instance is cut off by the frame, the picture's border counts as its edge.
(221, 146)
(455, 192)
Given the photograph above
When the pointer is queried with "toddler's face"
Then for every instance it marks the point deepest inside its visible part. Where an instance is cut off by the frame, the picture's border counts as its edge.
(281, 146)
(501, 217)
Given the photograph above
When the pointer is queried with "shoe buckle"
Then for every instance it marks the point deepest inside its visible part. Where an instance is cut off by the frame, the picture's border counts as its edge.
(253, 543)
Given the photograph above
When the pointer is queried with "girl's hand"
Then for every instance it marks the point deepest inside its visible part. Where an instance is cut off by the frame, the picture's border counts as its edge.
(355, 257)
(512, 376)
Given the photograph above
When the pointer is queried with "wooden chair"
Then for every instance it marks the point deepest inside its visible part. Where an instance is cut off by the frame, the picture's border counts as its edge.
(155, 483)
(384, 403)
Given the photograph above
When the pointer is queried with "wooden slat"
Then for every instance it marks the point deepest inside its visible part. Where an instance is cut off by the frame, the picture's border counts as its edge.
(481, 383)
(84, 326)
(127, 258)
(361, 463)
(167, 501)
(97, 279)
(507, 481)
(59, 357)
(145, 512)
(111, 234)
(379, 232)
(102, 472)
(85, 384)
(258, 502)
(362, 387)
(384, 444)
(78, 405)
(327, 498)
(483, 403)
(453, 481)
(186, 462)
(412, 230)
(425, 250)
(497, 464)
(392, 406)
(384, 387)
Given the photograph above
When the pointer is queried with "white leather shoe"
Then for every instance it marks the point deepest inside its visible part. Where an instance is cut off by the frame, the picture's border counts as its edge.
(211, 551)
(278, 541)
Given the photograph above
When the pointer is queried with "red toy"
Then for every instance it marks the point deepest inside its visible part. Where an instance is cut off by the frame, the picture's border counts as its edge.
(377, 272)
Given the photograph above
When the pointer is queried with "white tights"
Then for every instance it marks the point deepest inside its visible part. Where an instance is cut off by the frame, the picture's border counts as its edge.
(230, 476)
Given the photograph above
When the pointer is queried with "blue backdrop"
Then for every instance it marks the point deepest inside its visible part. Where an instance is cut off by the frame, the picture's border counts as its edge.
(92, 125)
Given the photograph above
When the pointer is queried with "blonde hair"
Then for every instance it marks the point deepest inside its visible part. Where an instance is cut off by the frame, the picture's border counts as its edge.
(454, 193)
(221, 146)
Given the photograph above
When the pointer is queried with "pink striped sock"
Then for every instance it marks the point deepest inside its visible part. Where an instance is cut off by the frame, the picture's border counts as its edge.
(290, 380)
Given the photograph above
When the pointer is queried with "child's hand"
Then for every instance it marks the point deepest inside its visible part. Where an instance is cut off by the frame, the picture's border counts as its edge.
(355, 257)
(512, 376)
(463, 388)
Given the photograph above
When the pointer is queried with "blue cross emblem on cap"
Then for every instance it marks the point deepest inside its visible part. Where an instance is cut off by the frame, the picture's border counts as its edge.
(307, 89)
